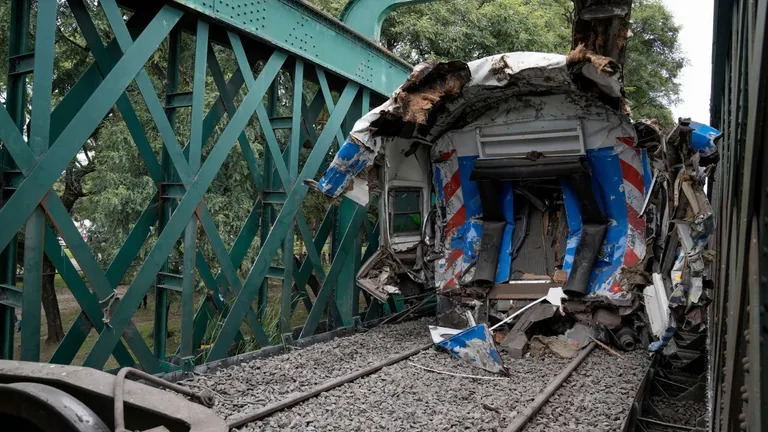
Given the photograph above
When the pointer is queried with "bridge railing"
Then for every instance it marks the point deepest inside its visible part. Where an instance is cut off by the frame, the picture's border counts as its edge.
(224, 109)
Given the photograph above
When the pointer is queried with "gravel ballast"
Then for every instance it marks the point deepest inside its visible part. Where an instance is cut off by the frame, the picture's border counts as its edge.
(405, 397)
(246, 387)
(596, 397)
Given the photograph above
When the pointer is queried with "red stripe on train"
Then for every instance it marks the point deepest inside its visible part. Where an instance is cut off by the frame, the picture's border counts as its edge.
(632, 175)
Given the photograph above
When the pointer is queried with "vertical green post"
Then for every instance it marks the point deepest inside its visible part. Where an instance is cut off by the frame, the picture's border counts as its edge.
(167, 204)
(186, 347)
(292, 155)
(365, 106)
(45, 38)
(267, 209)
(345, 287)
(16, 105)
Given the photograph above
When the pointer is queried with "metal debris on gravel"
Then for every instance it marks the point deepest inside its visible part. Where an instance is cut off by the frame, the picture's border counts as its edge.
(596, 397)
(246, 387)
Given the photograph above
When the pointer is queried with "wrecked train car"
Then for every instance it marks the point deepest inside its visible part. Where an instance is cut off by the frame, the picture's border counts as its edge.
(503, 177)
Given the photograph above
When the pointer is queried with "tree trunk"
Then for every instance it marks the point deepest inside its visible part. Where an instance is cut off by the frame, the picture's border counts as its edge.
(73, 190)
(51, 304)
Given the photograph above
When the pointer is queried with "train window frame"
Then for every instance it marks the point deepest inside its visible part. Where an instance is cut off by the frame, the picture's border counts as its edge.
(393, 193)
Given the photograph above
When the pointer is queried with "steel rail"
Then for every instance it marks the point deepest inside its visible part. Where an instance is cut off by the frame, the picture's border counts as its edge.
(522, 419)
(328, 385)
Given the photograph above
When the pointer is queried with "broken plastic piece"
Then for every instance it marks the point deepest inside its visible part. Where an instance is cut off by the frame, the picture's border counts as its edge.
(703, 138)
(657, 305)
(440, 334)
(475, 345)
(554, 296)
(663, 341)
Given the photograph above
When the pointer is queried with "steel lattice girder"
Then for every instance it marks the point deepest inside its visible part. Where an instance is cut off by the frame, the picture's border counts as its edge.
(41, 158)
(312, 35)
(739, 367)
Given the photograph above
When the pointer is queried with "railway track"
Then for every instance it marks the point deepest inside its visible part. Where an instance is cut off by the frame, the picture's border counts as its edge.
(389, 379)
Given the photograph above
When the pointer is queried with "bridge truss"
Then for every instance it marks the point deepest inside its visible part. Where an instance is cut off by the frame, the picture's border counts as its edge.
(288, 55)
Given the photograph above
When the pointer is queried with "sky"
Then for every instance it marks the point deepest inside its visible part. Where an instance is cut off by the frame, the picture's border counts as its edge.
(695, 17)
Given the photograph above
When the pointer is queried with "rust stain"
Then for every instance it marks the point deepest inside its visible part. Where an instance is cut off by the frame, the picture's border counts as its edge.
(427, 86)
(602, 63)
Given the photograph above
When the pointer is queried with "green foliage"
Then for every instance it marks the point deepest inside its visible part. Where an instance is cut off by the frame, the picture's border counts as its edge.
(471, 29)
(654, 61)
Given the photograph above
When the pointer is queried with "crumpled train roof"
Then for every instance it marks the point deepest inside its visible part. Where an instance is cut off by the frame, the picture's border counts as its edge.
(438, 97)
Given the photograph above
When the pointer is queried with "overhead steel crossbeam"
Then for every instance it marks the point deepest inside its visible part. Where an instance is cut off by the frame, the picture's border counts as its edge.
(308, 33)
(177, 213)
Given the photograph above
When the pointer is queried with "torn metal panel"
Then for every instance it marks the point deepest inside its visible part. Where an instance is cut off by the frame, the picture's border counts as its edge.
(475, 345)
(351, 159)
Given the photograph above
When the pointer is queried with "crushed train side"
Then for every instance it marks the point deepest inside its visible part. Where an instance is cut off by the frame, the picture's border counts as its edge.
(500, 178)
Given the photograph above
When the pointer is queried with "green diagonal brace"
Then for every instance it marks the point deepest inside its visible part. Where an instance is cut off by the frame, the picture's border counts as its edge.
(185, 209)
(350, 234)
(54, 161)
(272, 243)
(60, 217)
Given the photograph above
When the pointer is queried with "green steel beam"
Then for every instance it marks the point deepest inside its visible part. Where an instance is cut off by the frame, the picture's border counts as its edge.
(352, 228)
(293, 148)
(367, 16)
(226, 99)
(308, 33)
(302, 274)
(185, 209)
(16, 92)
(176, 159)
(90, 317)
(54, 161)
(180, 175)
(229, 270)
(197, 140)
(80, 250)
(39, 140)
(271, 244)
(128, 252)
(263, 116)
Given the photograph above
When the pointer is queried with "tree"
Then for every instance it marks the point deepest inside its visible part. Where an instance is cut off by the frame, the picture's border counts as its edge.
(471, 29)
(654, 61)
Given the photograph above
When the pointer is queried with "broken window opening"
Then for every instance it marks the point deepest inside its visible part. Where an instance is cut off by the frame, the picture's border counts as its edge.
(405, 211)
